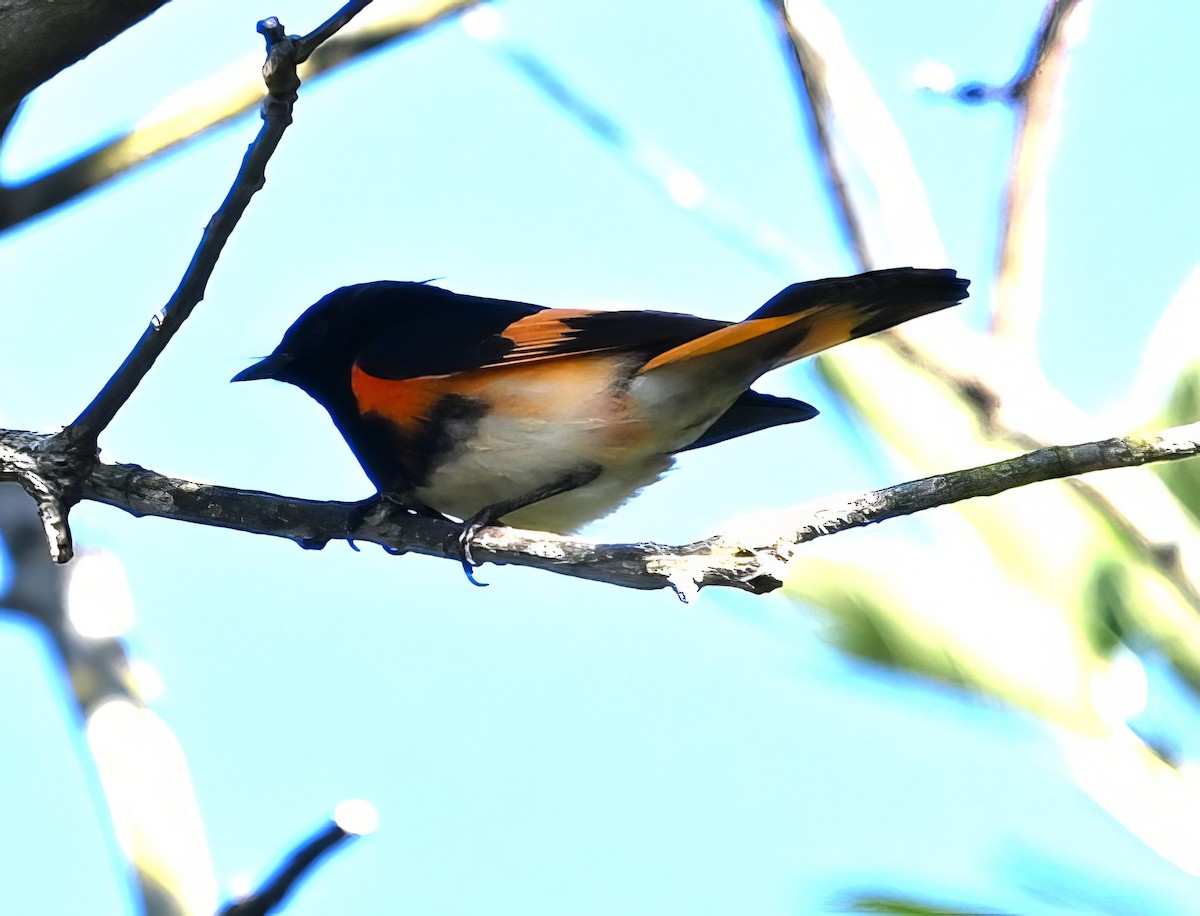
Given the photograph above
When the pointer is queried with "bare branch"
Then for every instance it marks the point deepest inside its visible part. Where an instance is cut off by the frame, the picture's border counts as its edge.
(279, 73)
(39, 40)
(810, 77)
(857, 138)
(158, 818)
(1036, 93)
(750, 564)
(327, 29)
(203, 106)
(1011, 398)
(299, 863)
(49, 473)
(62, 459)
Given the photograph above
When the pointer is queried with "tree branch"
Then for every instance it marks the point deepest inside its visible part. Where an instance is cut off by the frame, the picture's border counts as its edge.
(755, 564)
(61, 460)
(39, 40)
(1036, 93)
(282, 80)
(857, 138)
(1011, 398)
(304, 859)
(209, 103)
(157, 820)
(811, 83)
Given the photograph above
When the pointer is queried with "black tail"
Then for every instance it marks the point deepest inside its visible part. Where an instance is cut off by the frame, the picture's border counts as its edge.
(880, 299)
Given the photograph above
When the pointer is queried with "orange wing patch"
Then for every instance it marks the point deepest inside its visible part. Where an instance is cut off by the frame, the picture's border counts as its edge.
(542, 334)
(568, 391)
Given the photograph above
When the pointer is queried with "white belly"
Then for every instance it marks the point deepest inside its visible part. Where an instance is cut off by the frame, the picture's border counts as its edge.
(541, 426)
(511, 457)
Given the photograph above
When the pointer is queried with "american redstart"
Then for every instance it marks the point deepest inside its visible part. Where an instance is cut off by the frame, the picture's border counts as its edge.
(486, 409)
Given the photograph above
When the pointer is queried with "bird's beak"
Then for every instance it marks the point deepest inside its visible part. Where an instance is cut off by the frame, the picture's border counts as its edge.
(272, 366)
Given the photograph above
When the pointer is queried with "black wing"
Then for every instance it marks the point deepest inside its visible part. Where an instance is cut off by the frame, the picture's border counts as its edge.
(450, 332)
(750, 413)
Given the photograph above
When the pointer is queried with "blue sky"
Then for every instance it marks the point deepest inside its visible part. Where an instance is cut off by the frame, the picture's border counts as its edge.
(546, 745)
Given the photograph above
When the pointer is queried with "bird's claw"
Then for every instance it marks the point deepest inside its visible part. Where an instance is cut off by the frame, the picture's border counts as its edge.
(470, 529)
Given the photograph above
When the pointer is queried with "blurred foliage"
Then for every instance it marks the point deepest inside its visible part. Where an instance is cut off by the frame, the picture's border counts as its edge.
(895, 906)
(1040, 597)
(1183, 406)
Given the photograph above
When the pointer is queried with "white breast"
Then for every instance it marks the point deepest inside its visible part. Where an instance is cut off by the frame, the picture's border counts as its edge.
(541, 423)
(509, 458)
(544, 421)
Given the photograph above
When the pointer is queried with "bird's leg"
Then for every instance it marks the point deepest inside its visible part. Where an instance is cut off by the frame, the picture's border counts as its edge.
(489, 515)
(407, 500)
(388, 501)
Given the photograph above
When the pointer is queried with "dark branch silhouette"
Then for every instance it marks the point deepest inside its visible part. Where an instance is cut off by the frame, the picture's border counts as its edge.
(302, 861)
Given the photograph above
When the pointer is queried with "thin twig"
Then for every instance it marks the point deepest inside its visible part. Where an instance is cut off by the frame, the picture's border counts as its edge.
(327, 29)
(856, 136)
(646, 160)
(100, 412)
(817, 110)
(754, 565)
(1036, 94)
(302, 860)
(279, 72)
(55, 493)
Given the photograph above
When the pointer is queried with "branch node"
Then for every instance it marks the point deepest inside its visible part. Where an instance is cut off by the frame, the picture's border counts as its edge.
(978, 93)
(53, 509)
(51, 470)
(279, 69)
(272, 30)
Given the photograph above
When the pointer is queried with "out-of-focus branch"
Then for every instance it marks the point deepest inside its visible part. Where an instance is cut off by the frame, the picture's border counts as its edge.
(208, 104)
(808, 74)
(1011, 397)
(750, 564)
(1036, 95)
(351, 819)
(653, 165)
(156, 820)
(40, 39)
(860, 145)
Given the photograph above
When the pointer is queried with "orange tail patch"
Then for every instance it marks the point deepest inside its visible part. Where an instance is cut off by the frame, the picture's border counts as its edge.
(807, 318)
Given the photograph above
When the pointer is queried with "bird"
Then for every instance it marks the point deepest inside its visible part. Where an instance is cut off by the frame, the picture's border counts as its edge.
(490, 410)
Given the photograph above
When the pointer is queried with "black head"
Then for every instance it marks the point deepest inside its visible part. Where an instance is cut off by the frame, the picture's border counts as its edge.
(318, 350)
(391, 328)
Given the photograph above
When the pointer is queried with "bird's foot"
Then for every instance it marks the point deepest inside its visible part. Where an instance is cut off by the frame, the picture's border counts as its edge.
(382, 505)
(471, 527)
